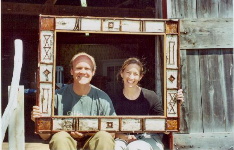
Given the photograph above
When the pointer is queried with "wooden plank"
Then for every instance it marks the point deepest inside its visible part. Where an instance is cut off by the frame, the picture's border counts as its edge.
(29, 146)
(159, 64)
(181, 9)
(47, 46)
(1, 87)
(212, 95)
(204, 141)
(16, 136)
(219, 100)
(91, 24)
(184, 115)
(194, 93)
(171, 104)
(200, 33)
(64, 10)
(200, 9)
(131, 26)
(45, 96)
(155, 124)
(216, 90)
(14, 87)
(226, 9)
(159, 9)
(207, 92)
(66, 24)
(207, 9)
(50, 2)
(206, 33)
(228, 70)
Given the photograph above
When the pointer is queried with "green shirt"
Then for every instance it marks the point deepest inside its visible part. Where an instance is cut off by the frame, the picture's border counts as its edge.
(95, 103)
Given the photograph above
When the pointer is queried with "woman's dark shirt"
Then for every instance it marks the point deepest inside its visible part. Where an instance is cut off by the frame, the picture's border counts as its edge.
(146, 104)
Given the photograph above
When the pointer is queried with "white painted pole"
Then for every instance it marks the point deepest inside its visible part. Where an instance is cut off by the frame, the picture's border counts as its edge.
(16, 131)
(0, 80)
(12, 103)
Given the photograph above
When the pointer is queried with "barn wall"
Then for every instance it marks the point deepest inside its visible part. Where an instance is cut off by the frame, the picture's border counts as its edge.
(207, 74)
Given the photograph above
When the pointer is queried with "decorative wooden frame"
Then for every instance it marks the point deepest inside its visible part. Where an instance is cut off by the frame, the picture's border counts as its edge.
(50, 25)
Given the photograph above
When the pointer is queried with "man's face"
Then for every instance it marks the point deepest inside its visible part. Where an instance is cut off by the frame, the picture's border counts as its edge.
(82, 70)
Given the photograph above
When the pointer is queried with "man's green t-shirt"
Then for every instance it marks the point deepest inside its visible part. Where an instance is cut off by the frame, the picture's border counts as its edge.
(95, 103)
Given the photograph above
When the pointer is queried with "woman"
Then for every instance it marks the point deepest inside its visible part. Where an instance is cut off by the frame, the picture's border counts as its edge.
(135, 100)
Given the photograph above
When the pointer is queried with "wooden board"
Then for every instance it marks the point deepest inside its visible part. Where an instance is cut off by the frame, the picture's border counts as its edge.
(184, 116)
(204, 141)
(228, 70)
(200, 9)
(212, 88)
(206, 33)
(193, 92)
(214, 8)
(200, 112)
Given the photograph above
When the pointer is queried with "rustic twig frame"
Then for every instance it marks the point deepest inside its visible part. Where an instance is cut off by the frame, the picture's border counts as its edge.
(50, 25)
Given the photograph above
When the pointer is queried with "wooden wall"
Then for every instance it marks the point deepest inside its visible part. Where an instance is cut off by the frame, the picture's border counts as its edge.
(207, 73)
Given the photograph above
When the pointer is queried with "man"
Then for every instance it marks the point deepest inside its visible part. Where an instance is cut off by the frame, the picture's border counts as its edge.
(81, 98)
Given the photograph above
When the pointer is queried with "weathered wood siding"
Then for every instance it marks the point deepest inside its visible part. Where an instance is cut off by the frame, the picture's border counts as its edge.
(206, 33)
(207, 74)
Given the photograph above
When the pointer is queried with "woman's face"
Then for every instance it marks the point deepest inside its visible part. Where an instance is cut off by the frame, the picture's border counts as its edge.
(131, 75)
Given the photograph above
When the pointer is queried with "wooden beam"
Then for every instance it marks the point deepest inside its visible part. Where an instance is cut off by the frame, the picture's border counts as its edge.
(201, 141)
(127, 2)
(12, 103)
(206, 33)
(64, 10)
(50, 2)
(16, 132)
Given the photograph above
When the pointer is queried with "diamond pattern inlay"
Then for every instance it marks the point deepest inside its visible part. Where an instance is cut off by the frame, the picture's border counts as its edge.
(109, 124)
(171, 78)
(46, 73)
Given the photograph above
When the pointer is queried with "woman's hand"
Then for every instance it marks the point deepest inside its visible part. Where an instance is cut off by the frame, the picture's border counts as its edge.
(131, 138)
(127, 138)
(36, 112)
(180, 95)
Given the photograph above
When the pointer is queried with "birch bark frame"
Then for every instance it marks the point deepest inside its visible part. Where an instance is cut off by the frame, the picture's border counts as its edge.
(50, 25)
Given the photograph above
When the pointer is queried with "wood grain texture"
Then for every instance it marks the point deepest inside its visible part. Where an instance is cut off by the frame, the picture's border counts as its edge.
(226, 9)
(228, 84)
(207, 9)
(16, 136)
(158, 64)
(195, 141)
(181, 9)
(184, 113)
(207, 69)
(212, 97)
(194, 92)
(206, 33)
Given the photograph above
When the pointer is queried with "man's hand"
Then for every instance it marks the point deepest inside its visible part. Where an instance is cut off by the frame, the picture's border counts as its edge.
(36, 112)
(77, 135)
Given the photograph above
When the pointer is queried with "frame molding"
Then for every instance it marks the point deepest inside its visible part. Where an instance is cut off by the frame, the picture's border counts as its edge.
(50, 25)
